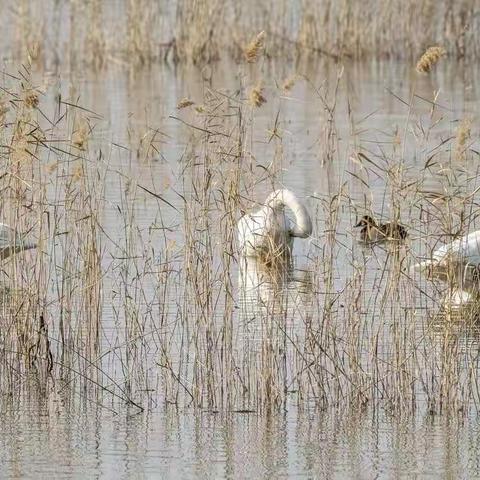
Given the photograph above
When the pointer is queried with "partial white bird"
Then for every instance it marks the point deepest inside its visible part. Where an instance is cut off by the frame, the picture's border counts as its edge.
(269, 232)
(12, 242)
(458, 261)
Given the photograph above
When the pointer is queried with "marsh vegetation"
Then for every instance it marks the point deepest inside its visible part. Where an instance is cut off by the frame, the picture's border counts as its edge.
(366, 331)
(141, 32)
(132, 181)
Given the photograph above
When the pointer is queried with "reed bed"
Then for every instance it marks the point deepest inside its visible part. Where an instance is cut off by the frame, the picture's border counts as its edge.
(139, 33)
(160, 308)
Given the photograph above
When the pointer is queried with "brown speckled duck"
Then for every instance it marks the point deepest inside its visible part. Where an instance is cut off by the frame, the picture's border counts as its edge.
(372, 231)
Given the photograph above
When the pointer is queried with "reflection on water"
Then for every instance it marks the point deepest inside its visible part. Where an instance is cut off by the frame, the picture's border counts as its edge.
(266, 287)
(39, 440)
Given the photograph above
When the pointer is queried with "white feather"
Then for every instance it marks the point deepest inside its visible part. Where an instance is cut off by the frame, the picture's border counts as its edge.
(269, 230)
(460, 259)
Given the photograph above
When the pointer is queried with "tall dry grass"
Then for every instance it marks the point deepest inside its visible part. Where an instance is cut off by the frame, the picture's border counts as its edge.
(360, 329)
(161, 311)
(139, 33)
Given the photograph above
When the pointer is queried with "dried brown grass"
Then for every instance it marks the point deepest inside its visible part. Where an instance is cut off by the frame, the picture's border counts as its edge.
(202, 31)
(353, 336)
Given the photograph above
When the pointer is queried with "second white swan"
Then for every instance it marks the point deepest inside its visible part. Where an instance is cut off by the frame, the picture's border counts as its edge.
(457, 262)
(268, 231)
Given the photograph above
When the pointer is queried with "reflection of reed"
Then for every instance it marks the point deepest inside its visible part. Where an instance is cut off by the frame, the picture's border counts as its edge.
(266, 285)
(270, 298)
(273, 301)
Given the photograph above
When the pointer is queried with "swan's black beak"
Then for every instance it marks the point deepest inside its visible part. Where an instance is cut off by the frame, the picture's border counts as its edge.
(359, 224)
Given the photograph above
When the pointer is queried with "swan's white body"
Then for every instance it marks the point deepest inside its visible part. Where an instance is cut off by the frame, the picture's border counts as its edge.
(458, 261)
(269, 231)
(12, 242)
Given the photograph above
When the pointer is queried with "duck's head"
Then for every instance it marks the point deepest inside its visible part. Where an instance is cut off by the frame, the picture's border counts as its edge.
(366, 221)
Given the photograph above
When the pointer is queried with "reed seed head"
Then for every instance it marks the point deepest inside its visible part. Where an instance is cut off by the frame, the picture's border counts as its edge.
(253, 49)
(77, 172)
(256, 97)
(184, 103)
(430, 58)
(31, 98)
(3, 111)
(289, 83)
(462, 137)
(80, 134)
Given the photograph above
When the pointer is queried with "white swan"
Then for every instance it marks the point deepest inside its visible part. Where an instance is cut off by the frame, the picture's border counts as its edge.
(457, 262)
(269, 231)
(12, 242)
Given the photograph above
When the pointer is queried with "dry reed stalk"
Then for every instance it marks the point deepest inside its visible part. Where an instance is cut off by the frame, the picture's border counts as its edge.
(462, 137)
(4, 109)
(255, 47)
(201, 31)
(148, 148)
(307, 34)
(31, 24)
(217, 171)
(77, 172)
(429, 59)
(142, 20)
(359, 340)
(95, 38)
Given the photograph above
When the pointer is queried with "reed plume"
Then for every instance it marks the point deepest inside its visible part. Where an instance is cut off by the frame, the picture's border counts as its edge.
(3, 110)
(256, 97)
(80, 134)
(429, 59)
(31, 98)
(289, 83)
(252, 50)
(462, 137)
(184, 103)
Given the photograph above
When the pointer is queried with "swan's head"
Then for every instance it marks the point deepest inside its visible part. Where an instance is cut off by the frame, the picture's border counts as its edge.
(366, 221)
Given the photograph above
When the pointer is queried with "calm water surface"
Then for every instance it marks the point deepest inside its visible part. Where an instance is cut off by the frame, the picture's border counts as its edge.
(47, 441)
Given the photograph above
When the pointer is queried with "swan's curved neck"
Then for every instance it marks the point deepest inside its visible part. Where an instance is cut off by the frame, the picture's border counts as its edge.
(285, 198)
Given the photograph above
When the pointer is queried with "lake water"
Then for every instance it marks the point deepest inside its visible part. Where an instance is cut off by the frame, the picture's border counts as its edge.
(61, 429)
(42, 441)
